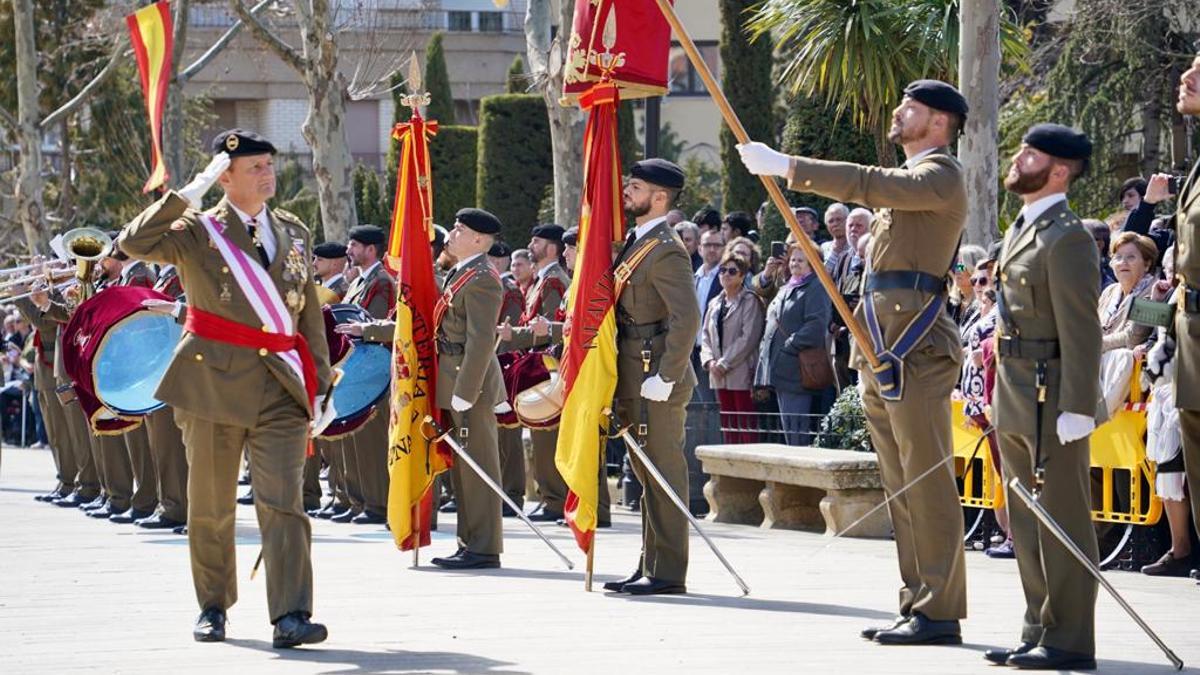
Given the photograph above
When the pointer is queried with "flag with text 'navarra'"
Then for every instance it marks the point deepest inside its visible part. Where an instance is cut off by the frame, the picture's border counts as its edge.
(152, 35)
(588, 369)
(413, 461)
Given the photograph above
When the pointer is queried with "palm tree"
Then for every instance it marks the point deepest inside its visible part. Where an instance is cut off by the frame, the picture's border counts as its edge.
(857, 55)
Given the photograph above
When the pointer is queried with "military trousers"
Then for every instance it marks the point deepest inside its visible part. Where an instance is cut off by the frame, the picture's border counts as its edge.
(1189, 428)
(512, 463)
(276, 445)
(170, 463)
(78, 439)
(354, 488)
(1060, 596)
(911, 436)
(551, 486)
(55, 421)
(141, 463)
(311, 491)
(664, 526)
(479, 527)
(331, 452)
(116, 473)
(370, 444)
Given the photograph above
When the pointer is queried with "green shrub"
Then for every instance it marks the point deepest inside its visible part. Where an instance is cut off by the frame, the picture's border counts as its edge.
(453, 154)
(845, 427)
(515, 160)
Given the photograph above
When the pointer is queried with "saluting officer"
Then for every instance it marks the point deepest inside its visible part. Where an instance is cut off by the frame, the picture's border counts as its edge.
(469, 384)
(1048, 394)
(657, 323)
(251, 371)
(914, 240)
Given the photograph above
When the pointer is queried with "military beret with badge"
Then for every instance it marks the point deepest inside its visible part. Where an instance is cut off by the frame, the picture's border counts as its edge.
(548, 231)
(938, 95)
(330, 250)
(367, 235)
(571, 237)
(478, 220)
(659, 172)
(239, 143)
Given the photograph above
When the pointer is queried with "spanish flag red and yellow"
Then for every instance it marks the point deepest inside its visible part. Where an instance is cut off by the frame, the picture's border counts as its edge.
(588, 369)
(152, 35)
(412, 460)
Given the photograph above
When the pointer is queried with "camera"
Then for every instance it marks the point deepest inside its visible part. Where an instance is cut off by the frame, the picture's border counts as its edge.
(1175, 184)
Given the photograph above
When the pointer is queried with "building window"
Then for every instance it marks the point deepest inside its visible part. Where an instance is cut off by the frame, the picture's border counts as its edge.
(460, 21)
(683, 80)
(491, 22)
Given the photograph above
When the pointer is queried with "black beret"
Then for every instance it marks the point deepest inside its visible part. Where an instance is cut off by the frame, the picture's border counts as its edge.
(500, 250)
(659, 172)
(937, 95)
(571, 237)
(1059, 141)
(549, 231)
(238, 142)
(439, 236)
(330, 250)
(367, 235)
(478, 220)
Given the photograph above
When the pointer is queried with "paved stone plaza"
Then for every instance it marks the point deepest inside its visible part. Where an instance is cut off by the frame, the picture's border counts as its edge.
(77, 595)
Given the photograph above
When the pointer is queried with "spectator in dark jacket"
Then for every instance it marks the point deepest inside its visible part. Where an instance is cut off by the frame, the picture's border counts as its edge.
(1141, 217)
(1102, 235)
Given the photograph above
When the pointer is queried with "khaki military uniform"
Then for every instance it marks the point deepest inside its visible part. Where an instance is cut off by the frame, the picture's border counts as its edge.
(166, 439)
(922, 209)
(1048, 299)
(328, 451)
(543, 299)
(228, 398)
(137, 440)
(1187, 330)
(45, 338)
(512, 443)
(468, 369)
(657, 312)
(374, 291)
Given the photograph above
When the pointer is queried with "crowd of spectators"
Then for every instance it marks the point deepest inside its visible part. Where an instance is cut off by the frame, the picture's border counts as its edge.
(18, 404)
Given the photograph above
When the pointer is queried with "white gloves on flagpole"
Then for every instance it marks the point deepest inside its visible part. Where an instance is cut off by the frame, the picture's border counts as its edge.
(324, 416)
(761, 160)
(194, 191)
(656, 389)
(1073, 426)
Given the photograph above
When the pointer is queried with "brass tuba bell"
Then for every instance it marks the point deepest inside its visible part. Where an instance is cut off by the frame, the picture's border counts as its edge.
(87, 245)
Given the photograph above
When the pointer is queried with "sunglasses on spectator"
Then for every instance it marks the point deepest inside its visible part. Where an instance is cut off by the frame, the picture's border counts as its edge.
(960, 267)
(731, 271)
(979, 281)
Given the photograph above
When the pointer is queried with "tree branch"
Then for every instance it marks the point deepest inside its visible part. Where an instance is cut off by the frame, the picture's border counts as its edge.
(118, 55)
(201, 62)
(283, 50)
(8, 120)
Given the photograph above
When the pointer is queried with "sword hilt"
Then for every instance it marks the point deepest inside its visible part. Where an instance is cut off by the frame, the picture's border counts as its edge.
(439, 433)
(614, 428)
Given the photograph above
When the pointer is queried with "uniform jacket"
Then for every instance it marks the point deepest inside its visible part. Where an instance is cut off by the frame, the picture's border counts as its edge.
(736, 348)
(45, 335)
(1187, 268)
(213, 380)
(470, 323)
(374, 292)
(137, 274)
(169, 283)
(920, 218)
(659, 290)
(512, 306)
(797, 319)
(1047, 279)
(544, 297)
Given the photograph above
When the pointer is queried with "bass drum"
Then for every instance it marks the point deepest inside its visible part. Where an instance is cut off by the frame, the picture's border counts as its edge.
(366, 372)
(533, 389)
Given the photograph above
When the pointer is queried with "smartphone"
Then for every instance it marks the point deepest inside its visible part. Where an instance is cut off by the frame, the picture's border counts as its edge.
(778, 249)
(1175, 184)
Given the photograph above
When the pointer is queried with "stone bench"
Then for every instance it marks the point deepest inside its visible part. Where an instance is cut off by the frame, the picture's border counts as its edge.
(795, 488)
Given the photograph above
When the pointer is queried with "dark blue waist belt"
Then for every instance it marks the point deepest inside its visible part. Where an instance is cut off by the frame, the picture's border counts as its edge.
(908, 279)
(889, 374)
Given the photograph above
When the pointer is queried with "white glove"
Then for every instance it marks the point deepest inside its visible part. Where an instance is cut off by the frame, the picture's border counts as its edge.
(1073, 426)
(460, 404)
(194, 191)
(324, 414)
(502, 407)
(1160, 354)
(763, 161)
(656, 388)
(168, 307)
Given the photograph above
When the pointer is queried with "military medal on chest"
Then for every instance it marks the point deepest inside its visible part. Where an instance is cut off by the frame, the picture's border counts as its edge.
(294, 267)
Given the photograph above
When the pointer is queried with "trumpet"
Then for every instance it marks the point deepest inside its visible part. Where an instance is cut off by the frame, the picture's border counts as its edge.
(49, 274)
(88, 246)
(53, 263)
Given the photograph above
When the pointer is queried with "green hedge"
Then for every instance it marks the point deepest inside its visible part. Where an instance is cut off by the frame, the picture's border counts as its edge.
(452, 153)
(516, 162)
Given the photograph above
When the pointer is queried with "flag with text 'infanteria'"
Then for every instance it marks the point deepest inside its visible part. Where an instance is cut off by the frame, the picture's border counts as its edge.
(413, 461)
(152, 35)
(588, 369)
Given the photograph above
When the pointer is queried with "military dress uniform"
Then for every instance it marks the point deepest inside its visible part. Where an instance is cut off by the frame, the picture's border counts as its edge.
(375, 291)
(1048, 349)
(330, 451)
(228, 396)
(1187, 330)
(657, 323)
(922, 208)
(511, 441)
(467, 369)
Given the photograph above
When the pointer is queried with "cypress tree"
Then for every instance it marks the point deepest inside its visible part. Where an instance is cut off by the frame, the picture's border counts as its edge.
(516, 82)
(746, 80)
(437, 83)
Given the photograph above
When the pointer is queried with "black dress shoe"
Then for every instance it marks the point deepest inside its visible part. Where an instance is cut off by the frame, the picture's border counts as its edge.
(506, 510)
(130, 516)
(73, 500)
(1000, 656)
(106, 512)
(1168, 566)
(53, 495)
(449, 507)
(247, 498)
(344, 517)
(210, 627)
(921, 630)
(652, 586)
(182, 529)
(331, 511)
(158, 522)
(619, 584)
(545, 515)
(244, 479)
(295, 629)
(466, 560)
(97, 502)
(368, 518)
(1049, 658)
(1195, 574)
(870, 632)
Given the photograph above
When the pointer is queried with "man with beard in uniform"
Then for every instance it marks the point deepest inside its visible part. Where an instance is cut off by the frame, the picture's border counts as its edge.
(922, 207)
(512, 445)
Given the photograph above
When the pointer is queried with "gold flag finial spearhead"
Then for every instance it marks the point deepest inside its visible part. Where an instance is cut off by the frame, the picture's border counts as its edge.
(415, 97)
